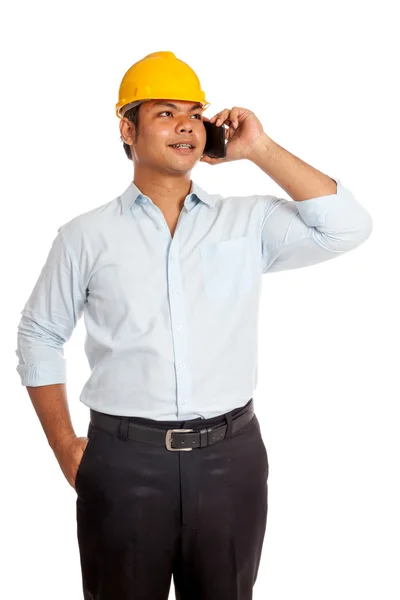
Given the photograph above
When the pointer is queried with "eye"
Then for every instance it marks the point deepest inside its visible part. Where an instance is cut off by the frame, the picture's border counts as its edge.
(168, 111)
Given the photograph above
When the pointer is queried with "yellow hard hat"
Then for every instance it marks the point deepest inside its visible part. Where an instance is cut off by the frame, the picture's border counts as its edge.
(157, 76)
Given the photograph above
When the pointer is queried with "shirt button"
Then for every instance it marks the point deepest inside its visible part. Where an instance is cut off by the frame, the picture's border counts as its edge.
(174, 292)
(182, 364)
(179, 328)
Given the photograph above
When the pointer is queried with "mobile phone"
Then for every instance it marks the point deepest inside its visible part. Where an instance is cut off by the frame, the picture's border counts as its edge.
(215, 140)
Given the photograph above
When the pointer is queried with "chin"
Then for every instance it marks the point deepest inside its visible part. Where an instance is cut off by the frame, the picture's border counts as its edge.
(184, 161)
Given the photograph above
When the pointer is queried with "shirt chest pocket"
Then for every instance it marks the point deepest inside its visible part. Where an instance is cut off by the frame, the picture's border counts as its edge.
(227, 268)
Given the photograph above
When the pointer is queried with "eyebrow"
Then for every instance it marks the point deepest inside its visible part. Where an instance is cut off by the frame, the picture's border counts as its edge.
(194, 107)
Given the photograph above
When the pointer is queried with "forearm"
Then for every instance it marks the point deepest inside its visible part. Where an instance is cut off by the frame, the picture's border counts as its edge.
(299, 179)
(51, 406)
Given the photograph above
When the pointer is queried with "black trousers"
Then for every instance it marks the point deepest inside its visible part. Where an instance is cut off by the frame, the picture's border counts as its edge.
(146, 514)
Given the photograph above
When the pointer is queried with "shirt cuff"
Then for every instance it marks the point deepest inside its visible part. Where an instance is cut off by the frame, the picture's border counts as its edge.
(314, 212)
(42, 373)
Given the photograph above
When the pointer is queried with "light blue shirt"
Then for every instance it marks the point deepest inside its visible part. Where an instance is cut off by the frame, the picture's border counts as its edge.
(171, 322)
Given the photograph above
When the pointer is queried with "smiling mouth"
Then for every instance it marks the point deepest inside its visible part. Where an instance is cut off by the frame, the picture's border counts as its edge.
(184, 149)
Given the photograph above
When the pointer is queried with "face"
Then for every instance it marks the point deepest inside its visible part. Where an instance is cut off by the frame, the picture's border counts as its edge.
(160, 126)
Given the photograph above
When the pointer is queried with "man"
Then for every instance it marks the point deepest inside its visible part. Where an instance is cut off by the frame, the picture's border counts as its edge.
(172, 478)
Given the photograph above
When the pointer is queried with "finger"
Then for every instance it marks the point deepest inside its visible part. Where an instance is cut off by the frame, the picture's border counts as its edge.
(223, 117)
(231, 119)
(211, 161)
(212, 120)
(220, 117)
(235, 117)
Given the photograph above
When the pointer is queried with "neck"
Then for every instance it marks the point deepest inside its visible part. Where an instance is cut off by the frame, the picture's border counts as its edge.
(167, 192)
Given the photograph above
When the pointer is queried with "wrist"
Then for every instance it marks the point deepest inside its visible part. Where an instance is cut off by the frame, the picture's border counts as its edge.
(260, 146)
(62, 441)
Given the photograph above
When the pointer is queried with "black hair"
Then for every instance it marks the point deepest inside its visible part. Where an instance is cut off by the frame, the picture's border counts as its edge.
(132, 114)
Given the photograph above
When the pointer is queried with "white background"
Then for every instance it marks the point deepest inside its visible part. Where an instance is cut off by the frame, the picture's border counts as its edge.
(322, 79)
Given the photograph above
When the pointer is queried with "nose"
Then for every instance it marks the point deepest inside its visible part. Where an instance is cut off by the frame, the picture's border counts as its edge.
(185, 126)
(182, 128)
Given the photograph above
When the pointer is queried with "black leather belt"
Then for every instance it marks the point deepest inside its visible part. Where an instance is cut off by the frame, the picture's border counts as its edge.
(173, 439)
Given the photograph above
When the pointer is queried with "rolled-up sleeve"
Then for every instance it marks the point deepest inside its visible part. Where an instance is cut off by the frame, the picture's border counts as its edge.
(299, 234)
(49, 317)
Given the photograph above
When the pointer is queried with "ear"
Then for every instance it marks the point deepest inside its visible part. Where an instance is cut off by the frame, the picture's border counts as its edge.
(127, 130)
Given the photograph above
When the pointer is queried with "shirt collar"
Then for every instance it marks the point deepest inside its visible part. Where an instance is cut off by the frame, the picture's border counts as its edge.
(133, 194)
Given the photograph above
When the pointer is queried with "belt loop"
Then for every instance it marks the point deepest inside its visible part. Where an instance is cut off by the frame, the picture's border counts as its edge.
(228, 418)
(123, 429)
(204, 437)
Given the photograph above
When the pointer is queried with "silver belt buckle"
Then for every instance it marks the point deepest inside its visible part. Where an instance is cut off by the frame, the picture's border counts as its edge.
(168, 439)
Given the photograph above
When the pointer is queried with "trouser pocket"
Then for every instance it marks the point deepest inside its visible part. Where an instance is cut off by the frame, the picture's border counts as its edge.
(262, 446)
(85, 456)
